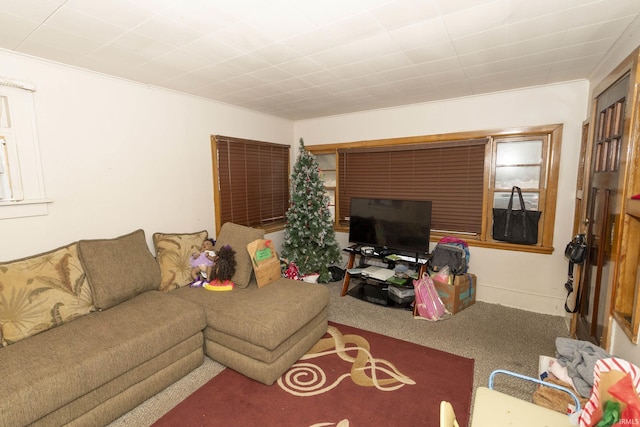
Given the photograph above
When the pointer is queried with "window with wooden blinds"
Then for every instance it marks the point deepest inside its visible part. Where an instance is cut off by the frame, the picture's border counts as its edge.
(252, 181)
(450, 174)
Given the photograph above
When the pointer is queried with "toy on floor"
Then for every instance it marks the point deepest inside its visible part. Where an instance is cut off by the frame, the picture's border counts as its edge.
(292, 271)
(202, 263)
(223, 270)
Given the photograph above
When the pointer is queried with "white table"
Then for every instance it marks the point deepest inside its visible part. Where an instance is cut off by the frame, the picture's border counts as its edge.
(495, 409)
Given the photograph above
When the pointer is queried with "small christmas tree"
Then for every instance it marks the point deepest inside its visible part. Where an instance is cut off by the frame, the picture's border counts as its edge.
(309, 239)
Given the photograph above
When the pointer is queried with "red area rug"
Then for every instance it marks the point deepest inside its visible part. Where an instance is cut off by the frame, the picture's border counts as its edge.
(350, 378)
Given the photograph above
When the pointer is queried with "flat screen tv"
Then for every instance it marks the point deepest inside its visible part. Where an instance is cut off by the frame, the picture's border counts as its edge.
(403, 225)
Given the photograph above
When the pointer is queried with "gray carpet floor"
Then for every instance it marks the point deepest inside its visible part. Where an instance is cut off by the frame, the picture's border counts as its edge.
(496, 337)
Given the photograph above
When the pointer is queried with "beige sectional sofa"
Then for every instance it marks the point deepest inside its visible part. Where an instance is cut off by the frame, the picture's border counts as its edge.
(91, 330)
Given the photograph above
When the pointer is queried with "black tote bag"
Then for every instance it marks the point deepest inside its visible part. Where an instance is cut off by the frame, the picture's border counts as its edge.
(516, 226)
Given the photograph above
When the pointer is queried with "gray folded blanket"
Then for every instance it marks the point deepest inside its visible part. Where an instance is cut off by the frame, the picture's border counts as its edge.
(579, 357)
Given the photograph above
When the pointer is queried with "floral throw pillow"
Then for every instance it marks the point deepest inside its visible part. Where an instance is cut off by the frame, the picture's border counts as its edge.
(173, 252)
(40, 292)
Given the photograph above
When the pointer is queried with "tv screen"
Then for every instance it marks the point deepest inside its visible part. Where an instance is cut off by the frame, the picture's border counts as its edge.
(392, 224)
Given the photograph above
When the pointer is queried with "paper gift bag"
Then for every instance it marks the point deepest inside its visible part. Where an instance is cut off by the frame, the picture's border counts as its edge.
(265, 261)
(617, 380)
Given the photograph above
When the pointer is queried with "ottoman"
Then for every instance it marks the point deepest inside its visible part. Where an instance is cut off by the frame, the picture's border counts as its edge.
(261, 332)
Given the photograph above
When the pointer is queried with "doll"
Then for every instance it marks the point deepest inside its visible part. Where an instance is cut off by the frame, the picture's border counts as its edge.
(223, 270)
(202, 262)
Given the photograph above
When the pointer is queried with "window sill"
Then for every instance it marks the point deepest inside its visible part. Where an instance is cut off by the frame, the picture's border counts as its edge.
(547, 250)
(24, 208)
(625, 323)
(272, 228)
(493, 244)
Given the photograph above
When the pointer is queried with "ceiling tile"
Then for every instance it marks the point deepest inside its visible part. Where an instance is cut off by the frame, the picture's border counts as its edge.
(122, 13)
(281, 24)
(167, 31)
(597, 31)
(75, 22)
(402, 13)
(388, 62)
(51, 43)
(202, 16)
(354, 28)
(334, 57)
(451, 6)
(13, 30)
(180, 60)
(243, 37)
(430, 53)
(380, 44)
(211, 48)
(431, 31)
(480, 41)
(36, 11)
(270, 74)
(327, 12)
(522, 10)
(301, 66)
(141, 46)
(465, 22)
(355, 69)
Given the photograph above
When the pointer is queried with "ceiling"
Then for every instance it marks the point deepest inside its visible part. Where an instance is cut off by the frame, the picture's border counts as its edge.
(300, 59)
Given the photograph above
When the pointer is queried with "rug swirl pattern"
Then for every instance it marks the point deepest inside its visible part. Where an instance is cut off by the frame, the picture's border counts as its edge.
(308, 379)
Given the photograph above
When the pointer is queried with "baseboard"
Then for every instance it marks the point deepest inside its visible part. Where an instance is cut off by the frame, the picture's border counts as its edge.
(522, 300)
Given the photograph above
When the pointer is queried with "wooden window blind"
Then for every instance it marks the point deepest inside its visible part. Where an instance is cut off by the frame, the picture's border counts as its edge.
(253, 181)
(450, 174)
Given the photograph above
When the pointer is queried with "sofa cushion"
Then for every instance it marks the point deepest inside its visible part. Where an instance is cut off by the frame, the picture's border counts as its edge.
(173, 252)
(238, 237)
(40, 292)
(118, 269)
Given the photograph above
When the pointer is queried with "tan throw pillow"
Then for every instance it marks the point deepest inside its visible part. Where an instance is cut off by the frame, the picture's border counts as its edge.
(118, 269)
(173, 252)
(40, 292)
(238, 237)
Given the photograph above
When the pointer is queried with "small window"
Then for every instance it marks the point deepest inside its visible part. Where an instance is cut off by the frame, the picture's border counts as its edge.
(21, 180)
(10, 182)
(5, 184)
(519, 163)
(251, 182)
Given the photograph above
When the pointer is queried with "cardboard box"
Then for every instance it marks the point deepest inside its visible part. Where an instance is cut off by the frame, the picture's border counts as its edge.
(265, 261)
(460, 295)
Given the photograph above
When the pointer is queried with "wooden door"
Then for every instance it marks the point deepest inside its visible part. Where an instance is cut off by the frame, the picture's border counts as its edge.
(602, 212)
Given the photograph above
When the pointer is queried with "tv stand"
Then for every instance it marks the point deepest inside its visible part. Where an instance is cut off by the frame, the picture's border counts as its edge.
(389, 256)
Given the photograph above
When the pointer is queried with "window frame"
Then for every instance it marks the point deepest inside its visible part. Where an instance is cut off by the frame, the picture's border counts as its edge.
(552, 141)
(268, 224)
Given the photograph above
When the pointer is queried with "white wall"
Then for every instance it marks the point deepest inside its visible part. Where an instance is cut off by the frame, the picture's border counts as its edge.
(118, 156)
(531, 282)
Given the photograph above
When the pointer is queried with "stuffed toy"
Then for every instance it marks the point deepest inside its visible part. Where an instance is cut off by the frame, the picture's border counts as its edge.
(202, 263)
(224, 268)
